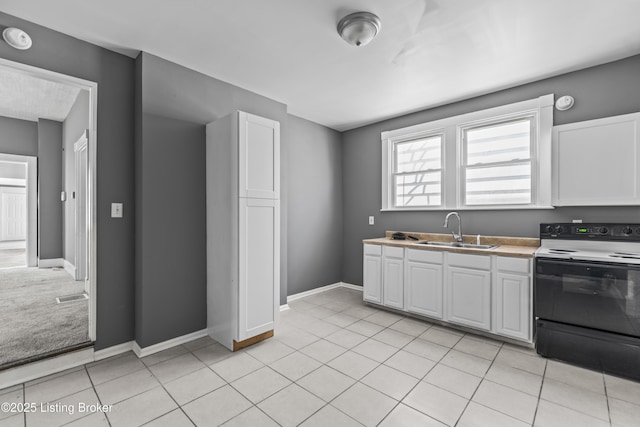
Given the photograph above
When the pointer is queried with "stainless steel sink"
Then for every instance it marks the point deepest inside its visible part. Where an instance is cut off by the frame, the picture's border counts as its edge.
(458, 245)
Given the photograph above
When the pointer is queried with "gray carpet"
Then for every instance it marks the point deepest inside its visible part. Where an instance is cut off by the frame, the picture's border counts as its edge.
(13, 258)
(31, 322)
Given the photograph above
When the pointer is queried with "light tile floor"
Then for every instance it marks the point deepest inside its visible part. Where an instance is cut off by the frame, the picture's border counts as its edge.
(333, 362)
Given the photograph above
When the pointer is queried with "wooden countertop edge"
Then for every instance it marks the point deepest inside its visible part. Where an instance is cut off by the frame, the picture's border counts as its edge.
(506, 249)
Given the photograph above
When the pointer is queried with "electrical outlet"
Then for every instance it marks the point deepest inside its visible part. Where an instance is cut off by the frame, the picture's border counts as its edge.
(371, 220)
(116, 210)
(577, 221)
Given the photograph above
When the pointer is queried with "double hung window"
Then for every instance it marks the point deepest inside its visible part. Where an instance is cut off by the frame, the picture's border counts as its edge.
(499, 158)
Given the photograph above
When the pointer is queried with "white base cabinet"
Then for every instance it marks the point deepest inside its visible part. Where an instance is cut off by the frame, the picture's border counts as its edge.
(469, 297)
(513, 297)
(424, 282)
(486, 292)
(372, 274)
(393, 277)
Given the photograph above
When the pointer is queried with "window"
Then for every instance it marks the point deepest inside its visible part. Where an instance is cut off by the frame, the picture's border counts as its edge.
(499, 158)
(496, 165)
(417, 172)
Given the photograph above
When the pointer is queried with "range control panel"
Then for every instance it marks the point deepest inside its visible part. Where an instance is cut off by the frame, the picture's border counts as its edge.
(591, 231)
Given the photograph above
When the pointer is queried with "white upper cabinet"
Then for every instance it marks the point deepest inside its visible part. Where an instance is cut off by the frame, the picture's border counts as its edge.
(259, 157)
(597, 162)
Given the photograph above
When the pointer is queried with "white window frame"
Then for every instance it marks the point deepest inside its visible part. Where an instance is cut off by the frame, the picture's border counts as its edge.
(451, 129)
(393, 158)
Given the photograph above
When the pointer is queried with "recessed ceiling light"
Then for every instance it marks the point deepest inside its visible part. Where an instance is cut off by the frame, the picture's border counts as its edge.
(16, 38)
(359, 28)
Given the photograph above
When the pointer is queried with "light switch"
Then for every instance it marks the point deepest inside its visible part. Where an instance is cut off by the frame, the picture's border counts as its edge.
(116, 210)
(371, 220)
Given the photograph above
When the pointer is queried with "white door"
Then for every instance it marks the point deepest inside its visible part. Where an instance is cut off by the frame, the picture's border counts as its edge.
(424, 288)
(513, 317)
(81, 166)
(469, 297)
(259, 157)
(13, 213)
(259, 266)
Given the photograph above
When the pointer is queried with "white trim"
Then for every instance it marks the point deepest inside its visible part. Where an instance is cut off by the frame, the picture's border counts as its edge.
(320, 290)
(113, 351)
(155, 348)
(351, 286)
(50, 263)
(284, 307)
(31, 371)
(69, 268)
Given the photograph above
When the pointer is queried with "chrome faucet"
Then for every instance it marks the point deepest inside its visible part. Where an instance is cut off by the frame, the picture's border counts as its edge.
(457, 237)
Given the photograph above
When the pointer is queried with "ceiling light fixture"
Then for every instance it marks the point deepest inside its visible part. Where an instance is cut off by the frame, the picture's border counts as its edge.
(16, 38)
(359, 28)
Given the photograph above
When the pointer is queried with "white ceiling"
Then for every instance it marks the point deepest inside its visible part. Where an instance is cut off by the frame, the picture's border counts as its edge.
(428, 53)
(26, 97)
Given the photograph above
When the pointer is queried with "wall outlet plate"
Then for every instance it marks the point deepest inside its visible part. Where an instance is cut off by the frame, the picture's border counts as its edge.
(371, 220)
(116, 210)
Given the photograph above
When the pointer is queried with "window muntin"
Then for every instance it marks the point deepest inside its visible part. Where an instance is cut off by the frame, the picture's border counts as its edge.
(417, 172)
(496, 164)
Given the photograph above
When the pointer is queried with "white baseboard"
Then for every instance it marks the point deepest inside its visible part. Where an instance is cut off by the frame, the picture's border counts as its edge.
(51, 262)
(13, 244)
(320, 290)
(113, 351)
(351, 286)
(31, 371)
(146, 351)
(285, 307)
(69, 268)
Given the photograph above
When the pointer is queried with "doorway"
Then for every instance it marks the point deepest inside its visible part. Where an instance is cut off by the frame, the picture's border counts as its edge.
(47, 213)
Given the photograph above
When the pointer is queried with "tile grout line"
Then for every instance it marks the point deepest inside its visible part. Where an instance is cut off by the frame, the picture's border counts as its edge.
(544, 375)
(93, 386)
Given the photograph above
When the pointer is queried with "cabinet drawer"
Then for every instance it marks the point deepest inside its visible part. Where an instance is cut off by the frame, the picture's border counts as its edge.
(372, 249)
(393, 252)
(517, 265)
(434, 257)
(482, 262)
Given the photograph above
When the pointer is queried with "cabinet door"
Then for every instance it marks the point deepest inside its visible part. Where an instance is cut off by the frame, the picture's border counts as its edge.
(513, 316)
(372, 278)
(424, 288)
(258, 266)
(597, 162)
(393, 282)
(469, 297)
(259, 157)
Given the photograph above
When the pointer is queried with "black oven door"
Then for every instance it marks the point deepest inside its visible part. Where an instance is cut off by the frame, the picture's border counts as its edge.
(594, 295)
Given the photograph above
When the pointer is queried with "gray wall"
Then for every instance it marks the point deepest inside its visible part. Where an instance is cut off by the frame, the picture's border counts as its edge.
(173, 245)
(114, 74)
(74, 126)
(18, 136)
(315, 206)
(49, 187)
(606, 90)
(173, 104)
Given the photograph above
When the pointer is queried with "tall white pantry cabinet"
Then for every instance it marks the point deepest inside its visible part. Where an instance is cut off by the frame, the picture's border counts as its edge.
(243, 228)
